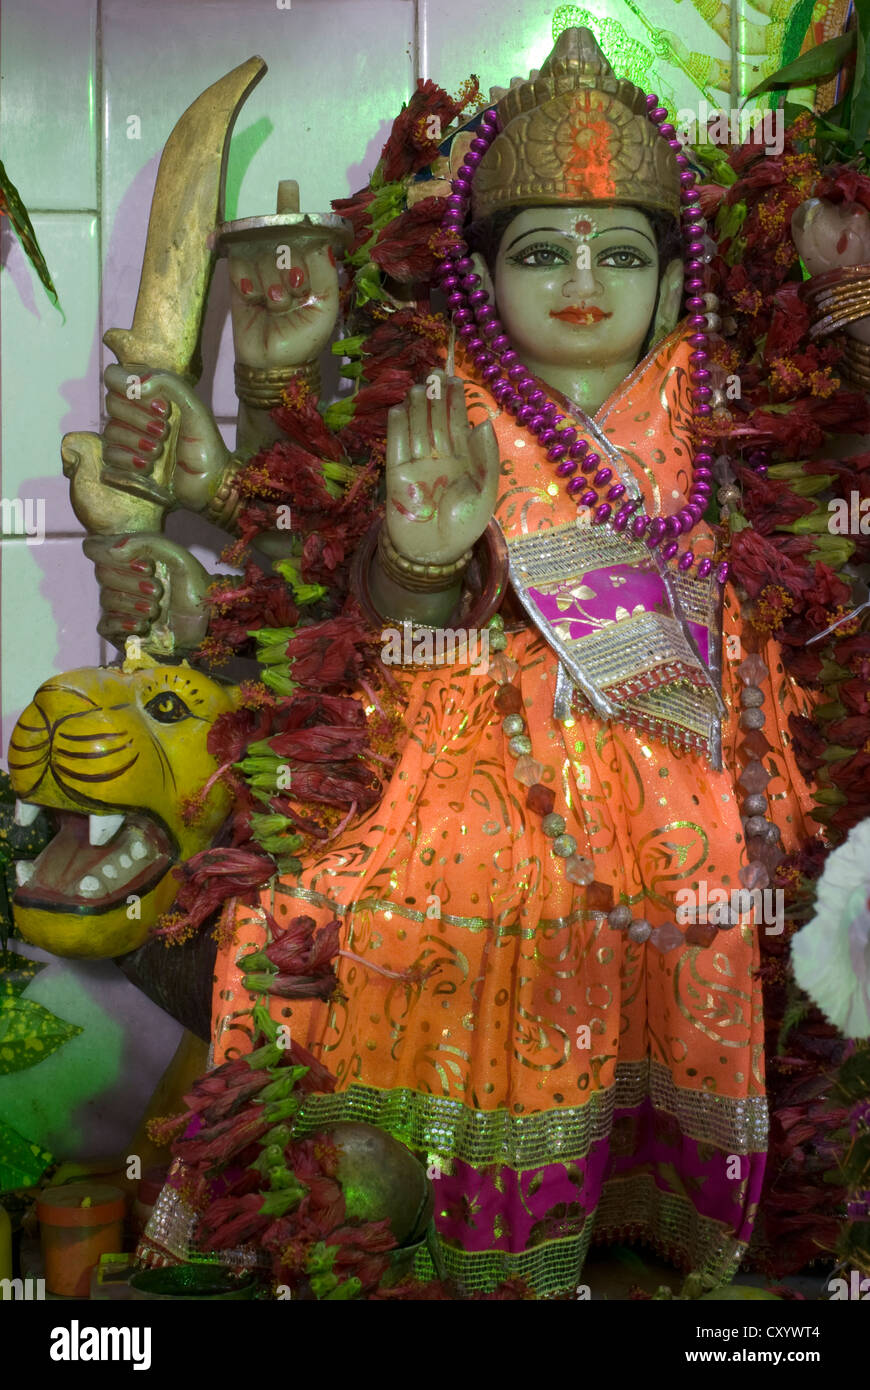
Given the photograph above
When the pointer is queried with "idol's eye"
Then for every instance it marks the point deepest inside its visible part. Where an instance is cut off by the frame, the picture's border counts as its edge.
(624, 258)
(542, 255)
(167, 708)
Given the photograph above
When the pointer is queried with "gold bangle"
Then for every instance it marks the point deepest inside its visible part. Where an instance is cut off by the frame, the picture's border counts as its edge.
(837, 298)
(263, 387)
(855, 365)
(415, 576)
(832, 318)
(225, 505)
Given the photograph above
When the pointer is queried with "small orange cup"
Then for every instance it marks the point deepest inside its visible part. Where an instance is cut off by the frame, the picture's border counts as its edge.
(75, 1236)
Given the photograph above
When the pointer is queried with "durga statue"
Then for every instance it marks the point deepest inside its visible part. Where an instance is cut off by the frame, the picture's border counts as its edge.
(533, 883)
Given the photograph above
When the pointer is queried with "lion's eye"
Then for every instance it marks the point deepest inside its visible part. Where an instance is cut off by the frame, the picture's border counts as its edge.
(167, 708)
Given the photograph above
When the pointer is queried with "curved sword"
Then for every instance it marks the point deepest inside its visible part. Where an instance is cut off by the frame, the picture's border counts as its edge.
(186, 209)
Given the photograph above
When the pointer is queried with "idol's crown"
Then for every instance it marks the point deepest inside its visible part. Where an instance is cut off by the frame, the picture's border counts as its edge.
(575, 133)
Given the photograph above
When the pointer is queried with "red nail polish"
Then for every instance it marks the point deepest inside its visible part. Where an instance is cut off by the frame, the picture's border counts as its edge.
(142, 607)
(160, 407)
(139, 463)
(146, 587)
(296, 277)
(153, 428)
(246, 285)
(147, 446)
(140, 566)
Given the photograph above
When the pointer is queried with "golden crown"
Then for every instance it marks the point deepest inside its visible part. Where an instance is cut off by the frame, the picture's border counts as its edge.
(575, 133)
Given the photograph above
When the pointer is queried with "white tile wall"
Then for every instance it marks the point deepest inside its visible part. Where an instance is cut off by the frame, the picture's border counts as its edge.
(50, 101)
(501, 39)
(49, 608)
(50, 358)
(339, 71)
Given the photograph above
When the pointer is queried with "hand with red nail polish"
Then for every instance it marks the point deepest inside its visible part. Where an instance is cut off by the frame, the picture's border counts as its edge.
(139, 432)
(132, 604)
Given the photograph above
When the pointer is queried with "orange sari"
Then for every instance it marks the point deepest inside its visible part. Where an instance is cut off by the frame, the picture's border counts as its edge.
(651, 1124)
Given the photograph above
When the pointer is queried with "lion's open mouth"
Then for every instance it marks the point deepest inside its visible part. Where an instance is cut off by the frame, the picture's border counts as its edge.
(94, 862)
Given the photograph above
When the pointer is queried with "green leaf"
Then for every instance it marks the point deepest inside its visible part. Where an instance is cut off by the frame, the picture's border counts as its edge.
(10, 202)
(729, 220)
(712, 157)
(16, 973)
(792, 109)
(367, 284)
(816, 63)
(277, 680)
(278, 1203)
(339, 414)
(22, 1163)
(841, 114)
(29, 1033)
(835, 752)
(860, 122)
(302, 592)
(349, 1289)
(831, 671)
(811, 484)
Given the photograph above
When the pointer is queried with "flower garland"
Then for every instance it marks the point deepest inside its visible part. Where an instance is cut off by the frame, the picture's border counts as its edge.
(795, 580)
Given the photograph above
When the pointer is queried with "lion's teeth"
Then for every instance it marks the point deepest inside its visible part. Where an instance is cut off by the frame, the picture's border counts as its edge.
(26, 812)
(109, 871)
(139, 849)
(102, 828)
(89, 884)
(24, 871)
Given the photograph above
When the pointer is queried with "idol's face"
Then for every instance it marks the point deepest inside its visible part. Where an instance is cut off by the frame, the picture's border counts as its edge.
(576, 286)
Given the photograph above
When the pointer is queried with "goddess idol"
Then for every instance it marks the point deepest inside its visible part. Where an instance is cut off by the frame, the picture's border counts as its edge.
(549, 919)
(585, 1062)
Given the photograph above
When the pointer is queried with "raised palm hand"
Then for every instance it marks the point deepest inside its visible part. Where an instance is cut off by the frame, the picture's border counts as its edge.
(442, 476)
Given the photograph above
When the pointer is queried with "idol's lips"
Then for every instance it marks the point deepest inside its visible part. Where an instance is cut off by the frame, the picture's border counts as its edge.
(582, 316)
(94, 861)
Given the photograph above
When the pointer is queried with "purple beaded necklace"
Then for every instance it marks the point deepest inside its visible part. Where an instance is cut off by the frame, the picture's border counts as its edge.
(518, 392)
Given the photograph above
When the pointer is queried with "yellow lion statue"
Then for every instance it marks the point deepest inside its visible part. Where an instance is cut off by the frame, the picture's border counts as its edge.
(113, 754)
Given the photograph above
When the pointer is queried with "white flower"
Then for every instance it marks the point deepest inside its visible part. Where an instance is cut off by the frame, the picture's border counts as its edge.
(831, 954)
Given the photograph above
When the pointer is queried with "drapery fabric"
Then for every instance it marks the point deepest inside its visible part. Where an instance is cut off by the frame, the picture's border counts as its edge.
(565, 1083)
